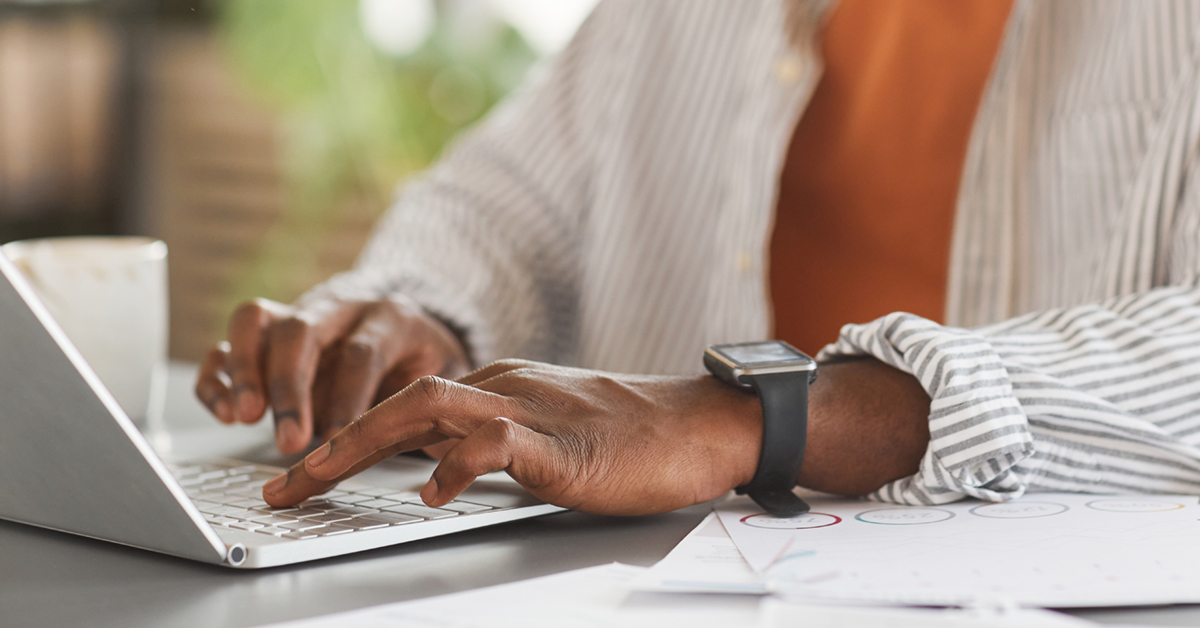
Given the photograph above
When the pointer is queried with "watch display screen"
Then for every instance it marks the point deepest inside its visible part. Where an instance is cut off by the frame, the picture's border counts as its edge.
(770, 352)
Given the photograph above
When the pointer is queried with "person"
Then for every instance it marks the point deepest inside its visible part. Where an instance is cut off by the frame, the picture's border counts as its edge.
(1007, 195)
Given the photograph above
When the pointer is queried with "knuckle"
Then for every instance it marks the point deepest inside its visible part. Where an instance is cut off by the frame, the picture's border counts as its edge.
(432, 389)
(291, 328)
(248, 309)
(503, 431)
(512, 364)
(359, 351)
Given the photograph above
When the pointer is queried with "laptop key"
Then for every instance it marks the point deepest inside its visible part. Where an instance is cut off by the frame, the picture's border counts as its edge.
(425, 512)
(364, 523)
(402, 496)
(280, 512)
(273, 531)
(355, 511)
(212, 475)
(377, 503)
(373, 491)
(321, 504)
(299, 536)
(300, 525)
(183, 472)
(307, 512)
(352, 498)
(465, 508)
(238, 513)
(249, 526)
(389, 518)
(332, 517)
(272, 520)
(332, 530)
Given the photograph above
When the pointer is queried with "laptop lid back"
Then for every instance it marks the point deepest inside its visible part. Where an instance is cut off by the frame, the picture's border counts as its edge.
(70, 459)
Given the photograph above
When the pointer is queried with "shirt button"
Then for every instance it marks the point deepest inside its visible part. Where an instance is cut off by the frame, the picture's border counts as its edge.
(745, 263)
(788, 69)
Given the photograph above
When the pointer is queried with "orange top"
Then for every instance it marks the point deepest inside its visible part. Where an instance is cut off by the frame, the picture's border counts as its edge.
(866, 197)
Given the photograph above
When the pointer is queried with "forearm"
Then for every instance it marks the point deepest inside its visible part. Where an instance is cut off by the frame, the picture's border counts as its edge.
(868, 424)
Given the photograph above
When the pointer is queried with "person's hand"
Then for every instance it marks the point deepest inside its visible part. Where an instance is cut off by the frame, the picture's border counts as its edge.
(624, 444)
(588, 440)
(320, 368)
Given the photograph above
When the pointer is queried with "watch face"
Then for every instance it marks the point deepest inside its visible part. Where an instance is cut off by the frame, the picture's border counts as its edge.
(762, 353)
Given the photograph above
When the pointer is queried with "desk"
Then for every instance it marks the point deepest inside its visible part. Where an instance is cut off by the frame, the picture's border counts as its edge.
(53, 579)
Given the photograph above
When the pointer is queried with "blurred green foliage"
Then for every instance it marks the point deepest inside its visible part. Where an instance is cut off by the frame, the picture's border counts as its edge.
(356, 121)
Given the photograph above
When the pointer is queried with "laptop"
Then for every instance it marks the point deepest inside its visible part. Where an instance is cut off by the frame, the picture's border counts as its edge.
(71, 460)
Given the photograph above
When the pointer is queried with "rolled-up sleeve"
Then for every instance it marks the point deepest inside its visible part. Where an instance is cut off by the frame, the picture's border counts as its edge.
(1094, 398)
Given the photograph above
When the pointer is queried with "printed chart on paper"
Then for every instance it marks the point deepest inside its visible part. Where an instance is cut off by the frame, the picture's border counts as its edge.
(1054, 550)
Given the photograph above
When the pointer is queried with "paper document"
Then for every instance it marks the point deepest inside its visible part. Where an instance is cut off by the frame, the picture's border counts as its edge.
(705, 561)
(775, 613)
(1048, 550)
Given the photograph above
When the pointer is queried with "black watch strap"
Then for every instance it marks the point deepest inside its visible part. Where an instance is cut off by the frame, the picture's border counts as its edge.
(784, 398)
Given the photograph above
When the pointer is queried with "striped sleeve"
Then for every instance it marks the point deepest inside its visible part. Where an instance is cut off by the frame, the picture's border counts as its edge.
(1093, 398)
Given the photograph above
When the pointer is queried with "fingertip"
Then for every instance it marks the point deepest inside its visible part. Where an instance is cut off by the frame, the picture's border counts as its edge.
(249, 406)
(222, 411)
(271, 490)
(430, 492)
(275, 484)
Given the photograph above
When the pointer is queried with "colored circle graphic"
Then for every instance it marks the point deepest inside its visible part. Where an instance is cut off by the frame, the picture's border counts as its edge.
(1019, 510)
(1133, 504)
(805, 521)
(904, 516)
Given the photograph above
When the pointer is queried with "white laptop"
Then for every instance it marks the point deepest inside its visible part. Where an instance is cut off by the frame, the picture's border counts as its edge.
(71, 460)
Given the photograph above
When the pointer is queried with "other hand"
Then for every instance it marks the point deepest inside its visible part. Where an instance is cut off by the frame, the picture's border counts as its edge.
(321, 367)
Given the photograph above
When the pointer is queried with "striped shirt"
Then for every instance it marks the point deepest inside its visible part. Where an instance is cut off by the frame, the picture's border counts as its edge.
(615, 214)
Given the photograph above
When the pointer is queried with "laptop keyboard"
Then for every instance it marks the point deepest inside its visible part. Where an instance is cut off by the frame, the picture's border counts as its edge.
(230, 495)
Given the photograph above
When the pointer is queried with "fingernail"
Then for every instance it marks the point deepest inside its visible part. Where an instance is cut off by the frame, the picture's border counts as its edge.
(285, 432)
(429, 493)
(245, 402)
(276, 484)
(317, 457)
(221, 409)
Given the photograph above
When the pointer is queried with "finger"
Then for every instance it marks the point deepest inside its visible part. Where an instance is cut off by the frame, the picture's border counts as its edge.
(246, 335)
(498, 445)
(213, 384)
(363, 358)
(428, 347)
(429, 405)
(297, 485)
(295, 344)
(499, 367)
(291, 368)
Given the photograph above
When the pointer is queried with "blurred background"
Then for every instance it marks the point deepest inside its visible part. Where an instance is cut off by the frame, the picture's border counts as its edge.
(259, 138)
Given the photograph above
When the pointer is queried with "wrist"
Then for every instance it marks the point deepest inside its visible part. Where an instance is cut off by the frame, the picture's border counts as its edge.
(867, 425)
(737, 441)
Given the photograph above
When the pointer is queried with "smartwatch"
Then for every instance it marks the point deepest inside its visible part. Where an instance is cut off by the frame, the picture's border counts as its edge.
(780, 374)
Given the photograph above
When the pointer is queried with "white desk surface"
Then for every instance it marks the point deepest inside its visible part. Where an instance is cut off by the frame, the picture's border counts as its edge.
(54, 579)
